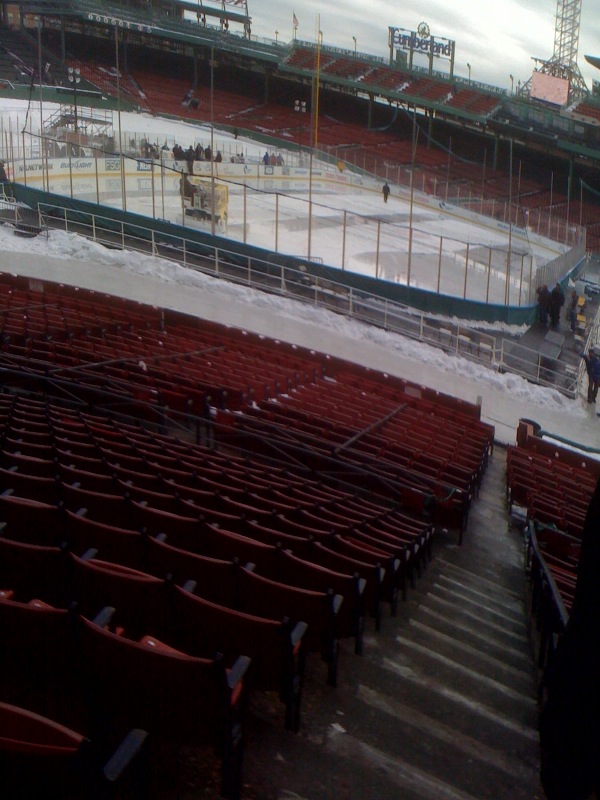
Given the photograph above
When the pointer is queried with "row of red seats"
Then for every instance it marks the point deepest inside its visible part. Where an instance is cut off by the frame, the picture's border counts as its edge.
(86, 674)
(105, 470)
(553, 492)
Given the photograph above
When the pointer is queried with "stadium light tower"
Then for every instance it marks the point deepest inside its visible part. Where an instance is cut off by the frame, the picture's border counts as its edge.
(563, 63)
(74, 80)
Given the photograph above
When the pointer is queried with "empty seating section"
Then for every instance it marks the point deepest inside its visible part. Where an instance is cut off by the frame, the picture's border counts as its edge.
(304, 515)
(553, 491)
(473, 101)
(386, 78)
(306, 58)
(553, 486)
(588, 109)
(383, 430)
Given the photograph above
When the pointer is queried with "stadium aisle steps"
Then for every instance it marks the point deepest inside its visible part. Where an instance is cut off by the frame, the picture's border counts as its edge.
(443, 704)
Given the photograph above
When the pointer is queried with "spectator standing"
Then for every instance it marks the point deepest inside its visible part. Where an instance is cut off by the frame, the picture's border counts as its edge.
(189, 157)
(543, 296)
(557, 301)
(385, 191)
(592, 365)
(186, 187)
(572, 311)
(3, 175)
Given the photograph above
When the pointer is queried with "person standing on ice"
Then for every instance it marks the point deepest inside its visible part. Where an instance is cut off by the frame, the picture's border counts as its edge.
(386, 192)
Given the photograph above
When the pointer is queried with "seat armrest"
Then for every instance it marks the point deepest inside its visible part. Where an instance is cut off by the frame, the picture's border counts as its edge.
(125, 754)
(238, 671)
(104, 617)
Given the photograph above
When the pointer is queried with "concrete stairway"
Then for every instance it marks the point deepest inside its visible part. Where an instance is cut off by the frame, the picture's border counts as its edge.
(442, 705)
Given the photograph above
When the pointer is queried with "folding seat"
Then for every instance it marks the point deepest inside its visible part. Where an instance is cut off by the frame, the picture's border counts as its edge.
(210, 481)
(23, 485)
(145, 480)
(30, 465)
(39, 666)
(204, 498)
(299, 545)
(119, 545)
(400, 541)
(294, 571)
(141, 599)
(275, 645)
(33, 570)
(125, 460)
(305, 529)
(319, 609)
(147, 684)
(183, 531)
(27, 447)
(88, 463)
(393, 545)
(26, 520)
(231, 521)
(243, 506)
(216, 579)
(227, 545)
(269, 502)
(90, 480)
(381, 582)
(357, 547)
(40, 759)
(29, 433)
(112, 509)
(162, 500)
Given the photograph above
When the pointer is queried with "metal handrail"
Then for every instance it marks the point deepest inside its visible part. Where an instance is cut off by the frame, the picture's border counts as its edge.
(217, 261)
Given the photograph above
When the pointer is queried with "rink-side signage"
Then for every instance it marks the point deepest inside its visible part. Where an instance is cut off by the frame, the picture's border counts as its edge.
(90, 166)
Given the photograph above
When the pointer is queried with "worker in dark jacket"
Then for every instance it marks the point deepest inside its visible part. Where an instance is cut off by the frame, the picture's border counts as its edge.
(557, 301)
(592, 365)
(543, 296)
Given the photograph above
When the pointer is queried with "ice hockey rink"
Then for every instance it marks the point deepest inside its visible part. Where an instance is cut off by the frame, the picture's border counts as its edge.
(307, 208)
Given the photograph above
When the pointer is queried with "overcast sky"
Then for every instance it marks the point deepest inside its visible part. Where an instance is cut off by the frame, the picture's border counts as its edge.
(497, 38)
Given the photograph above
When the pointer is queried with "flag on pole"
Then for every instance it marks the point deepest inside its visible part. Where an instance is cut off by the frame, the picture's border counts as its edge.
(294, 20)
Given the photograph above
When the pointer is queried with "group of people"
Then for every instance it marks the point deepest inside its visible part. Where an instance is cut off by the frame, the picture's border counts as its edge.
(197, 153)
(550, 304)
(272, 160)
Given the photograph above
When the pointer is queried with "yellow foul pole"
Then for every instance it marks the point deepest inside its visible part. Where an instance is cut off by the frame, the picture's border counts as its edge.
(316, 80)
